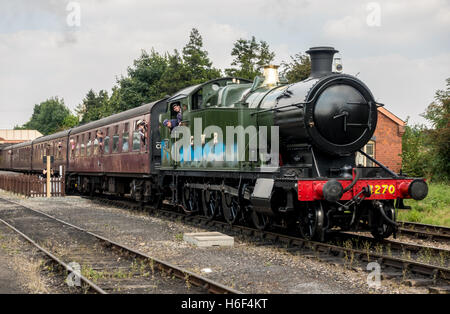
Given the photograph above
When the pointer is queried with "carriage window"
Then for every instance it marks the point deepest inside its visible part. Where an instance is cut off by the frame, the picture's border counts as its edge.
(95, 146)
(116, 139)
(59, 149)
(106, 145)
(72, 147)
(88, 148)
(125, 142)
(83, 150)
(89, 145)
(136, 141)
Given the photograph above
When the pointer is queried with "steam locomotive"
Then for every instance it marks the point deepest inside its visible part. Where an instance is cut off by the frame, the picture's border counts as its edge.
(265, 153)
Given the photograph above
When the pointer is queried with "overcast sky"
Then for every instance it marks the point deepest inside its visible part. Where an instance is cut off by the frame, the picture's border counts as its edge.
(402, 53)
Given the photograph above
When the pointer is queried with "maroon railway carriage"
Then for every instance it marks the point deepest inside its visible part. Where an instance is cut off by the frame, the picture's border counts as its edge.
(21, 157)
(53, 145)
(5, 157)
(114, 162)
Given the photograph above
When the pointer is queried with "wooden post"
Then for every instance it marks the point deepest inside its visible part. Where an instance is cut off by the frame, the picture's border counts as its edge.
(48, 177)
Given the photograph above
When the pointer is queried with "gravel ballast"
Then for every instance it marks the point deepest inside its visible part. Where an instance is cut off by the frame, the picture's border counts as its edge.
(247, 267)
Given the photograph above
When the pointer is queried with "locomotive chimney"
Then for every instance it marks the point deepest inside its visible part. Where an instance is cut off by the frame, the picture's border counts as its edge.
(321, 60)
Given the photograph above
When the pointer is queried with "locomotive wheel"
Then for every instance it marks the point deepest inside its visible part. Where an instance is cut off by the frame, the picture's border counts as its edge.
(231, 207)
(311, 221)
(260, 221)
(211, 201)
(190, 200)
(383, 229)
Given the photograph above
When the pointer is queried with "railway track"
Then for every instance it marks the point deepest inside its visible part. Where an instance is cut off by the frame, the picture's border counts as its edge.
(425, 231)
(393, 256)
(104, 265)
(428, 254)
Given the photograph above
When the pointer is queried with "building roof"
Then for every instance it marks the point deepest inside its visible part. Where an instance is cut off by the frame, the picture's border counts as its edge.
(18, 136)
(391, 116)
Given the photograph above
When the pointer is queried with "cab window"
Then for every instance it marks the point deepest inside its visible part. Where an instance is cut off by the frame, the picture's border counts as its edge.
(197, 100)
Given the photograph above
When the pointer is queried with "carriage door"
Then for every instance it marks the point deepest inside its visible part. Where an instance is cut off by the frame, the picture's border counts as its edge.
(155, 134)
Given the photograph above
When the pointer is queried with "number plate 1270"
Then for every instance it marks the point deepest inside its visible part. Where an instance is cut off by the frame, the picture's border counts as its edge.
(382, 189)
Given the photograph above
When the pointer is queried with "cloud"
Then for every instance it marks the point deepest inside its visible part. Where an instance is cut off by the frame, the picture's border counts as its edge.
(403, 23)
(41, 56)
(405, 85)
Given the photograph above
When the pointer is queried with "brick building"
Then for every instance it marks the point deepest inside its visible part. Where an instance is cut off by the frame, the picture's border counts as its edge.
(386, 143)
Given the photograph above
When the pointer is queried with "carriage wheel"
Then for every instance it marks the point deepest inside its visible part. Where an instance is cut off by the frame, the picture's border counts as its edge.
(231, 207)
(311, 221)
(211, 203)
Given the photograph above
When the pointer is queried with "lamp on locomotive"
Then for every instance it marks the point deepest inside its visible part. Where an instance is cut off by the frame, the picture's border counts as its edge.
(271, 77)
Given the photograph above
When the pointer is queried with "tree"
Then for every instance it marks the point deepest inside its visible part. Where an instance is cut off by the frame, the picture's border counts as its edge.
(415, 155)
(298, 69)
(69, 122)
(198, 67)
(249, 58)
(177, 75)
(154, 76)
(114, 102)
(426, 151)
(94, 106)
(142, 85)
(438, 114)
(49, 116)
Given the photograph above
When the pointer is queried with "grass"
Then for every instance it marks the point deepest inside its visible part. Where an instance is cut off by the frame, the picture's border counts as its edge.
(179, 237)
(434, 209)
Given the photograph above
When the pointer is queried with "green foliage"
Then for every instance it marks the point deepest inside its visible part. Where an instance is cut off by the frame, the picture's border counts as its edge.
(49, 116)
(154, 76)
(415, 154)
(198, 67)
(438, 113)
(434, 209)
(426, 151)
(249, 58)
(142, 83)
(94, 106)
(298, 69)
(19, 127)
(69, 121)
